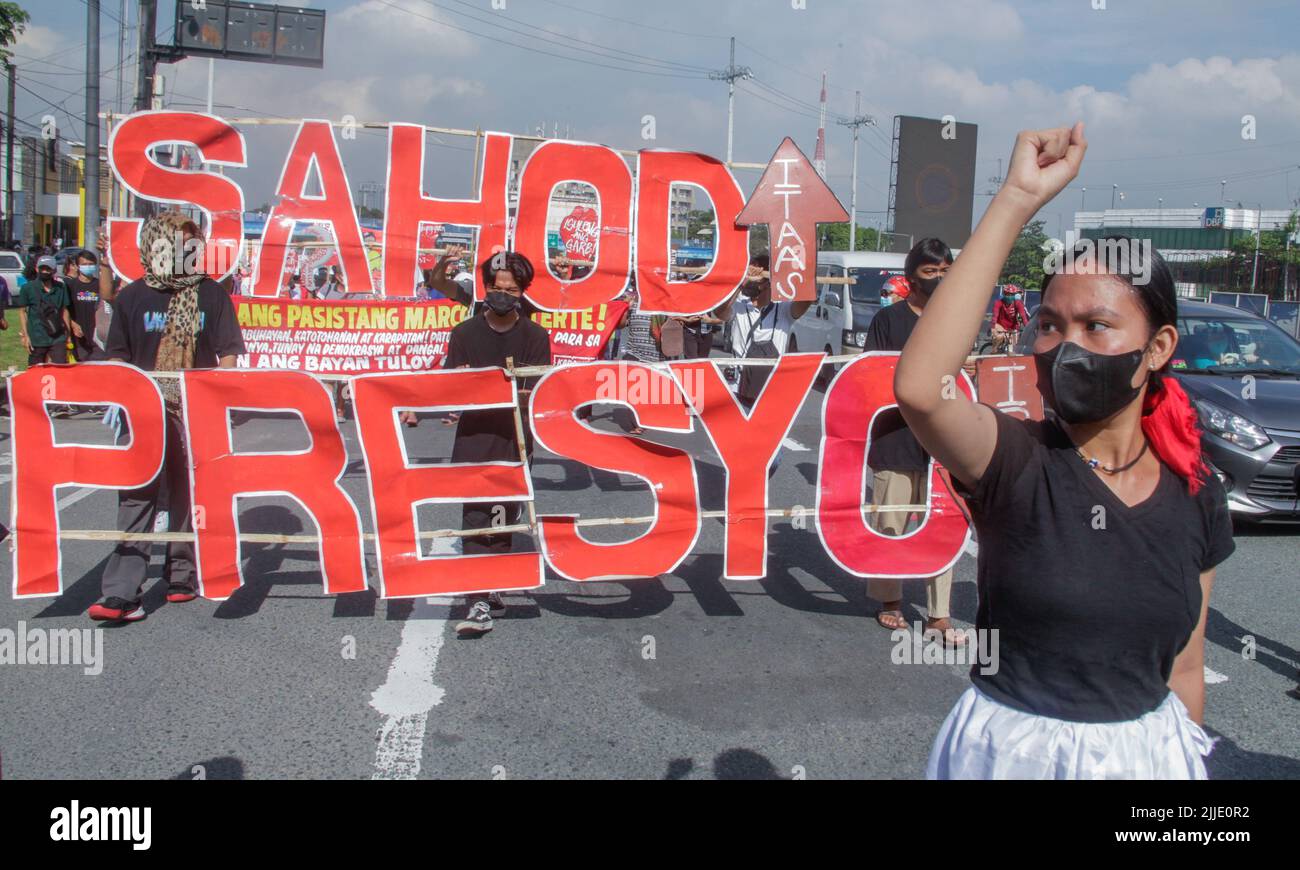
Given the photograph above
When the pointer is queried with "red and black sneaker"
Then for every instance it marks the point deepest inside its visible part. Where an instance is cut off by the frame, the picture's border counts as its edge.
(116, 610)
(180, 594)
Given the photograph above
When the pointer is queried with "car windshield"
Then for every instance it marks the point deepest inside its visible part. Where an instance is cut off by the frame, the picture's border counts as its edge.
(867, 282)
(1234, 345)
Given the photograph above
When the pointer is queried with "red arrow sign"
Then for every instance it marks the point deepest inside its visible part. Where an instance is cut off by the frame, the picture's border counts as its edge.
(792, 199)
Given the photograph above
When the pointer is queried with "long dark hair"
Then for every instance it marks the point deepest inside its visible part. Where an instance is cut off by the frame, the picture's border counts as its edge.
(1169, 420)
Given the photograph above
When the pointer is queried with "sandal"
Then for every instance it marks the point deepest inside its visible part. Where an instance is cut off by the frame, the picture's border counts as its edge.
(891, 618)
(947, 635)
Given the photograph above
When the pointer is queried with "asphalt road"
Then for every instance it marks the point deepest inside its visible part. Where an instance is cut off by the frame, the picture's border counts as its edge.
(681, 676)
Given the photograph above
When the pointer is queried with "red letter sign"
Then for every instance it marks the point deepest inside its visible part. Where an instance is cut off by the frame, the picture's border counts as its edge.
(41, 466)
(658, 404)
(219, 476)
(861, 390)
(314, 145)
(217, 196)
(555, 163)
(657, 172)
(747, 444)
(791, 198)
(407, 208)
(397, 487)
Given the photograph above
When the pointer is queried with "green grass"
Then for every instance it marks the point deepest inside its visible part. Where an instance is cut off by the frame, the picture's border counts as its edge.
(12, 352)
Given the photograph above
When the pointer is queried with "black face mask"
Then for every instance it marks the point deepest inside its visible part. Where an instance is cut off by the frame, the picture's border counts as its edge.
(927, 286)
(501, 302)
(1084, 387)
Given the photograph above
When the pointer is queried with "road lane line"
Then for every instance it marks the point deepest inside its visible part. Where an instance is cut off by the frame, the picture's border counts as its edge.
(1212, 677)
(793, 445)
(74, 497)
(409, 693)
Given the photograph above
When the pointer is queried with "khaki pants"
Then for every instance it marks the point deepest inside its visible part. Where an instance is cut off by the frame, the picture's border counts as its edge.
(905, 487)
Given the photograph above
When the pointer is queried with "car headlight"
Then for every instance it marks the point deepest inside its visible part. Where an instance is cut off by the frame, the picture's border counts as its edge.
(1231, 427)
(853, 339)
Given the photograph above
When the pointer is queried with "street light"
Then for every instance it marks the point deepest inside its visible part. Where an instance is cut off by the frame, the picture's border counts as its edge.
(1114, 188)
(1083, 206)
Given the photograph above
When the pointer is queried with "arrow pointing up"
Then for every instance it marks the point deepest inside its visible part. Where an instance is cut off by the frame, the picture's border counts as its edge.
(791, 198)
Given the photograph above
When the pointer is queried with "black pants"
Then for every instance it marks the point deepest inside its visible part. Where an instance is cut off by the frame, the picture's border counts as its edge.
(482, 515)
(52, 353)
(128, 566)
(696, 345)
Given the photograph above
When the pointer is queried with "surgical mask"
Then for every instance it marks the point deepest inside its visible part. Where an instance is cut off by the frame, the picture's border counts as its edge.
(90, 270)
(501, 302)
(1084, 387)
(886, 301)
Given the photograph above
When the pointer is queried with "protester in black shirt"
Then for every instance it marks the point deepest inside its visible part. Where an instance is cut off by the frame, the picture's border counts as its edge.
(901, 468)
(83, 285)
(1100, 528)
(167, 321)
(497, 334)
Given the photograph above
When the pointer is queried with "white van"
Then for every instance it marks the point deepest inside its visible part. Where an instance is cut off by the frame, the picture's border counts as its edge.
(837, 321)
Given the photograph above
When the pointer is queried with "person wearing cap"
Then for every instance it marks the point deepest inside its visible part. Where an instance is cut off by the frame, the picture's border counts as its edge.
(43, 314)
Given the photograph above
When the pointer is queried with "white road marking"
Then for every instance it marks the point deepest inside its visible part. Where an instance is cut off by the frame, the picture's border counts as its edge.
(74, 497)
(409, 693)
(793, 445)
(972, 549)
(1212, 677)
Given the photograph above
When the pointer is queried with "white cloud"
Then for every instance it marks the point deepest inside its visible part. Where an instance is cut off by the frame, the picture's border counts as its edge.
(387, 34)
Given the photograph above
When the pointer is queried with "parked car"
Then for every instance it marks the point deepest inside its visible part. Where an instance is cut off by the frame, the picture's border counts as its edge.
(11, 268)
(1243, 374)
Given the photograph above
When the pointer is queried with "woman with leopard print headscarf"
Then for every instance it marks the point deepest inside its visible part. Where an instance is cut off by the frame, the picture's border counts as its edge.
(173, 318)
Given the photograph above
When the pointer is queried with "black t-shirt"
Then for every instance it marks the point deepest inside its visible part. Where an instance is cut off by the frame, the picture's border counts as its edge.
(893, 446)
(489, 435)
(1092, 600)
(140, 314)
(85, 299)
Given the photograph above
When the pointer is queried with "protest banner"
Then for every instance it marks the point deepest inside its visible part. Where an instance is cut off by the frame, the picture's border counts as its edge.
(390, 350)
(219, 474)
(342, 337)
(626, 231)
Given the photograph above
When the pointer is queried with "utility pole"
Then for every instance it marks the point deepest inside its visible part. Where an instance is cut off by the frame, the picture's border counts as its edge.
(90, 229)
(9, 157)
(146, 23)
(1259, 220)
(856, 122)
(729, 75)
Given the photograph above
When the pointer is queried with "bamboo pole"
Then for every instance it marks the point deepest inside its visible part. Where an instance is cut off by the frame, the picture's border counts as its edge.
(111, 117)
(269, 538)
(523, 445)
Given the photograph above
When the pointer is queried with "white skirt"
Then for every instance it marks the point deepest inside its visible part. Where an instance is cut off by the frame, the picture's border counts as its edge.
(985, 739)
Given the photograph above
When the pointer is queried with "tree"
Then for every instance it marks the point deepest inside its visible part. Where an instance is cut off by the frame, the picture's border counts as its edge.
(835, 237)
(698, 220)
(1024, 266)
(13, 21)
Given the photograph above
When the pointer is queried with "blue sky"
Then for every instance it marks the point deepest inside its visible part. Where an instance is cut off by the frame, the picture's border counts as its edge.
(1162, 85)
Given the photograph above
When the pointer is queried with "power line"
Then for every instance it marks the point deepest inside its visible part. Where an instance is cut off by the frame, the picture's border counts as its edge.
(633, 23)
(536, 32)
(498, 40)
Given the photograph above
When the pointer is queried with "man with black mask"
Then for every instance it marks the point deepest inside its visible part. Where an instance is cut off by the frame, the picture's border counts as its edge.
(500, 331)
(43, 313)
(901, 467)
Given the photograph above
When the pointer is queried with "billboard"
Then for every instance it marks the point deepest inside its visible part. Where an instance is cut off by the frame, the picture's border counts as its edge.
(932, 191)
